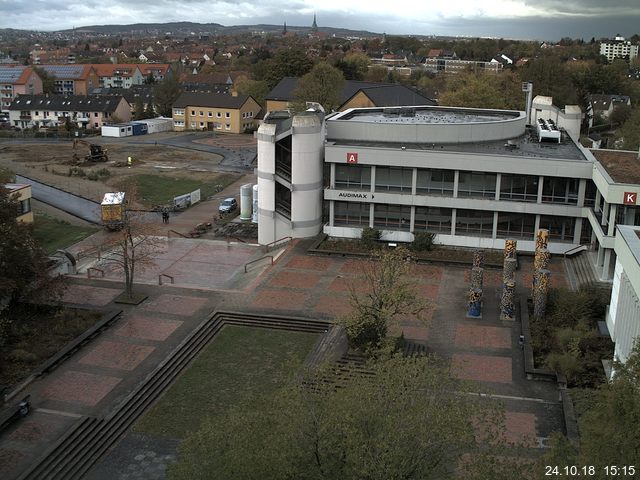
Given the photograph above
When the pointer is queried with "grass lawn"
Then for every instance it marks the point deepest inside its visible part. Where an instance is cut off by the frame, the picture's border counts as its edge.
(237, 363)
(161, 189)
(53, 234)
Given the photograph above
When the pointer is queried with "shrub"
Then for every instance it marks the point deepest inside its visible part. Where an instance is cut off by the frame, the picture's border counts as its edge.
(23, 356)
(422, 242)
(93, 176)
(370, 236)
(76, 172)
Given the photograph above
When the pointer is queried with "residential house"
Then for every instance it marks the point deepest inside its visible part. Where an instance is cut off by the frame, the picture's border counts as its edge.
(118, 75)
(157, 70)
(215, 112)
(354, 94)
(72, 79)
(604, 105)
(131, 95)
(28, 111)
(17, 80)
(22, 193)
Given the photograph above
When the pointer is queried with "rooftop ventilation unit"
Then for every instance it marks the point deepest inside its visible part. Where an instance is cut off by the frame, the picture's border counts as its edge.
(547, 131)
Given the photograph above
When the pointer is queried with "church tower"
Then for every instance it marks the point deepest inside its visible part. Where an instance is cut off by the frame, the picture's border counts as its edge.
(314, 25)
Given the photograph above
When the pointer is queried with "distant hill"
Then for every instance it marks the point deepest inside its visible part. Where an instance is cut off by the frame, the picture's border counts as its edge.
(188, 28)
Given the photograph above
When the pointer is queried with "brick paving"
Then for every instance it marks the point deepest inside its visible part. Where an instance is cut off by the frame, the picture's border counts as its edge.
(122, 356)
(482, 336)
(147, 328)
(482, 368)
(101, 373)
(175, 304)
(90, 295)
(81, 387)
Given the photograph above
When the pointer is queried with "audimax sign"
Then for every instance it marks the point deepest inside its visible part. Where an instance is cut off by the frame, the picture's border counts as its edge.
(353, 195)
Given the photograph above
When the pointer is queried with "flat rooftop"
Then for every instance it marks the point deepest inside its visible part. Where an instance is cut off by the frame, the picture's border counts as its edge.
(427, 115)
(526, 145)
(623, 166)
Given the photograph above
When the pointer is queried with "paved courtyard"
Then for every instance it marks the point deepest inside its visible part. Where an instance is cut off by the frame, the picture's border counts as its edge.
(210, 276)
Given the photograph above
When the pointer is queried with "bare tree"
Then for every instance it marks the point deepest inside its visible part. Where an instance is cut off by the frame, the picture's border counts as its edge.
(133, 248)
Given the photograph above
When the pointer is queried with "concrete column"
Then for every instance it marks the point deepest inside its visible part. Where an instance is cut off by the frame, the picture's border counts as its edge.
(494, 231)
(577, 231)
(414, 185)
(582, 188)
(613, 209)
(540, 185)
(453, 217)
(412, 223)
(596, 203)
(605, 214)
(332, 211)
(373, 179)
(604, 274)
(498, 181)
(536, 226)
(456, 180)
(371, 213)
(600, 257)
(332, 180)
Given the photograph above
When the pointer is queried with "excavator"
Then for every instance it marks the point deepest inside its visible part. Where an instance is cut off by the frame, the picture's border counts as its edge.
(97, 153)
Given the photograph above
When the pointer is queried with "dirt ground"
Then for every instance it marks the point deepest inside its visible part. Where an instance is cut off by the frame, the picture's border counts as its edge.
(50, 163)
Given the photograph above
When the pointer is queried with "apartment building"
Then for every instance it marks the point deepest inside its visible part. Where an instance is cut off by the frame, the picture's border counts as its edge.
(215, 112)
(72, 79)
(22, 193)
(618, 48)
(28, 111)
(17, 80)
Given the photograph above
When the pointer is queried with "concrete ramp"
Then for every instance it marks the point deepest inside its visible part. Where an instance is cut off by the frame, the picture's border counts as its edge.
(75, 205)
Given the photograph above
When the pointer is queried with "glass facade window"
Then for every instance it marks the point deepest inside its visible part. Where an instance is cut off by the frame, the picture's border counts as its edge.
(433, 219)
(520, 188)
(351, 214)
(24, 206)
(392, 217)
(627, 215)
(561, 229)
(394, 179)
(560, 190)
(438, 182)
(590, 194)
(355, 177)
(475, 223)
(477, 184)
(516, 225)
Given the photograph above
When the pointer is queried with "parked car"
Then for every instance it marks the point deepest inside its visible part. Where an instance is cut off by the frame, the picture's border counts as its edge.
(227, 206)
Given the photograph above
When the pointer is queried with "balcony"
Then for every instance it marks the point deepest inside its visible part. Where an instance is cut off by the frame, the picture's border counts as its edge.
(25, 117)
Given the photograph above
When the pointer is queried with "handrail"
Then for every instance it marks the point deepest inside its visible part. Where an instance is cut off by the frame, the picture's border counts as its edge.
(235, 238)
(88, 252)
(171, 279)
(275, 242)
(177, 233)
(96, 269)
(257, 260)
(574, 250)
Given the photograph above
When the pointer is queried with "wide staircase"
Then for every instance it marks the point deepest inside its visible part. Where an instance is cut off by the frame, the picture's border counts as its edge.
(580, 271)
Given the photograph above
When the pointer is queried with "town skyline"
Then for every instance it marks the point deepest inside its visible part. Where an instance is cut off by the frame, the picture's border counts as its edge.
(515, 19)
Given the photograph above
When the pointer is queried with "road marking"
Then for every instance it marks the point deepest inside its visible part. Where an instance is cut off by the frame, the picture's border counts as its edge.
(58, 412)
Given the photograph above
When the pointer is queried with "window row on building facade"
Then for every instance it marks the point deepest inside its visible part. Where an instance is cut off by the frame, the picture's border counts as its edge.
(520, 188)
(450, 221)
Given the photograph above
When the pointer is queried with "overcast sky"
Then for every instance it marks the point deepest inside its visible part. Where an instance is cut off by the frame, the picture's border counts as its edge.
(525, 19)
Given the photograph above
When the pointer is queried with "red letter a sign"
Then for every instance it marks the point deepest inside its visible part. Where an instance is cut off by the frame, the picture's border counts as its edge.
(352, 158)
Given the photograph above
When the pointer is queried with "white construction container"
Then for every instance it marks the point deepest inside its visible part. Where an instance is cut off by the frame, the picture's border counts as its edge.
(117, 130)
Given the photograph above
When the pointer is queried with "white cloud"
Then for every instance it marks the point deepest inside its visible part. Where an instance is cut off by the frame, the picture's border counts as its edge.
(400, 16)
